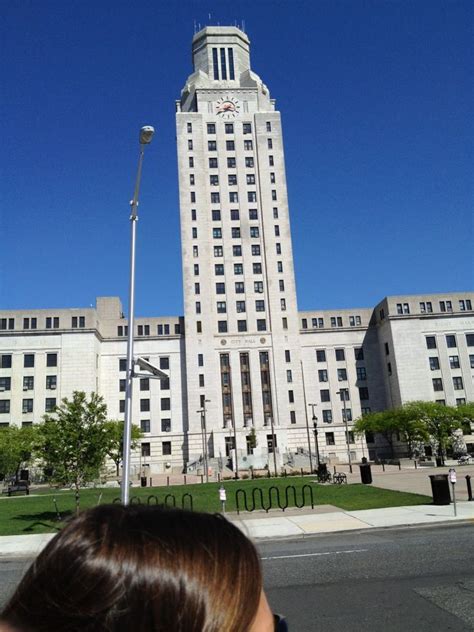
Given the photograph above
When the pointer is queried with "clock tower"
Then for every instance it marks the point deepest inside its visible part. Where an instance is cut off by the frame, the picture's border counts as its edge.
(242, 349)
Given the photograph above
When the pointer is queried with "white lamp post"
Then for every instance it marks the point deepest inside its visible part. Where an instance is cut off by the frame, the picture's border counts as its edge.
(146, 134)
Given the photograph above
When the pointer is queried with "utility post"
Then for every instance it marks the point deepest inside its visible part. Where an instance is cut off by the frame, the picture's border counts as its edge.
(202, 412)
(342, 392)
(307, 423)
(315, 430)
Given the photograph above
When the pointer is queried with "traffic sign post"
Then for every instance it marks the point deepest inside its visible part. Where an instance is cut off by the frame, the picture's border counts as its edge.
(222, 497)
(452, 480)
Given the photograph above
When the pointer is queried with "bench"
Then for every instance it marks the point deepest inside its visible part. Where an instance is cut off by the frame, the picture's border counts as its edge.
(339, 478)
(426, 463)
(22, 487)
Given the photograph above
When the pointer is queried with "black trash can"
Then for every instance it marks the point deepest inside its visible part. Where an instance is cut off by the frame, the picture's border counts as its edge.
(322, 468)
(143, 481)
(439, 461)
(365, 473)
(440, 489)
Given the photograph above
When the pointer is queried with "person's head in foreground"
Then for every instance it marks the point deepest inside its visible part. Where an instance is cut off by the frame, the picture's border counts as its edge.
(137, 569)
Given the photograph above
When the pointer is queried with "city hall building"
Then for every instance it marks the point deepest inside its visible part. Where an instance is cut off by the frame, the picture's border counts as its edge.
(242, 359)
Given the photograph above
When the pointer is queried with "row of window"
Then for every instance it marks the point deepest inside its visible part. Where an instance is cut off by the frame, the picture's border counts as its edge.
(165, 448)
(234, 214)
(228, 127)
(165, 404)
(27, 405)
(28, 360)
(340, 354)
(50, 322)
(145, 425)
(344, 395)
(457, 384)
(238, 267)
(223, 327)
(231, 162)
(342, 375)
(164, 363)
(145, 330)
(29, 383)
(239, 287)
(426, 307)
(336, 321)
(235, 232)
(230, 145)
(255, 250)
(231, 179)
(453, 362)
(145, 384)
(215, 197)
(451, 341)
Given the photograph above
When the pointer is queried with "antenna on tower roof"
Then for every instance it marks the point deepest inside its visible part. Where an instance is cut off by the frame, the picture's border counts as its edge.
(243, 26)
(195, 27)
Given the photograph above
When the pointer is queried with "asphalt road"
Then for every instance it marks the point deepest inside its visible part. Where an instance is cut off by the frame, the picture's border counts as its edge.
(393, 580)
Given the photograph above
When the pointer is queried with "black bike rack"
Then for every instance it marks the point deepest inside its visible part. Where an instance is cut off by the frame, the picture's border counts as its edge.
(273, 494)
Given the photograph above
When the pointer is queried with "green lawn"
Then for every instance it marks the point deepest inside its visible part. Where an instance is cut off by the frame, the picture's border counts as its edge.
(37, 513)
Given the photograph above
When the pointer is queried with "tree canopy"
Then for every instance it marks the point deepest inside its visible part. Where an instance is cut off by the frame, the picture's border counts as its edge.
(73, 443)
(16, 449)
(114, 441)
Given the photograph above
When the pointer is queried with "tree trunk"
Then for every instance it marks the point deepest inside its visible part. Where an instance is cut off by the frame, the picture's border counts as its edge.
(77, 499)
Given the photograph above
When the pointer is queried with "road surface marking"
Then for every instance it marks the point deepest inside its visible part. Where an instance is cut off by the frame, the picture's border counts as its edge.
(285, 557)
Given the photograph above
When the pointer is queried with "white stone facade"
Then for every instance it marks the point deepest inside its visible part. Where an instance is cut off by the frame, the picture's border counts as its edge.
(242, 348)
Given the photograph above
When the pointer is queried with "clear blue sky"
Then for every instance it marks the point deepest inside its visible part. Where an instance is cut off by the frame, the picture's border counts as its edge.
(376, 99)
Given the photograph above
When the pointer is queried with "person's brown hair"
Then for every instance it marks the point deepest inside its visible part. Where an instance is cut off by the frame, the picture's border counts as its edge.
(137, 568)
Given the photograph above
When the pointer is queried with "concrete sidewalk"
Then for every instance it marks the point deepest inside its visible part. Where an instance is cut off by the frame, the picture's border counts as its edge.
(293, 523)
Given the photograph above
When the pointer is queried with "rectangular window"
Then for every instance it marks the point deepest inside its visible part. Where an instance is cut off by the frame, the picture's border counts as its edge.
(471, 361)
(237, 251)
(219, 269)
(211, 128)
(253, 213)
(249, 162)
(29, 360)
(200, 359)
(281, 285)
(254, 231)
(277, 231)
(166, 448)
(222, 326)
(49, 404)
(320, 355)
(261, 324)
(346, 414)
(223, 69)
(215, 63)
(240, 307)
(165, 403)
(166, 425)
(470, 340)
(6, 362)
(201, 380)
(5, 383)
(146, 450)
(4, 406)
(28, 383)
(212, 145)
(247, 128)
(213, 163)
(122, 385)
(221, 307)
(145, 425)
(451, 341)
(454, 362)
(233, 197)
(270, 143)
(434, 363)
(218, 251)
(217, 233)
(257, 268)
(330, 438)
(280, 268)
(239, 288)
(259, 306)
(324, 394)
(248, 145)
(220, 288)
(342, 375)
(327, 416)
(278, 249)
(430, 342)
(363, 393)
(437, 384)
(457, 383)
(258, 287)
(231, 163)
(340, 355)
(51, 359)
(361, 373)
(255, 250)
(230, 53)
(27, 406)
(190, 145)
(323, 375)
(250, 180)
(241, 325)
(251, 196)
(238, 268)
(235, 232)
(230, 145)
(145, 384)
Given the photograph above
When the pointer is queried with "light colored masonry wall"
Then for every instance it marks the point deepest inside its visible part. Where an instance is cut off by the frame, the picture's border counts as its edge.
(200, 105)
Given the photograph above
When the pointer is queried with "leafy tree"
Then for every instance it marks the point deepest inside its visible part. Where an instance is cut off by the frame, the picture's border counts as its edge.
(252, 438)
(16, 448)
(73, 441)
(439, 420)
(382, 422)
(114, 441)
(466, 416)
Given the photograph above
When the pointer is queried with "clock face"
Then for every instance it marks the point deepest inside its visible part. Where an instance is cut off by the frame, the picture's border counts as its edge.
(228, 108)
